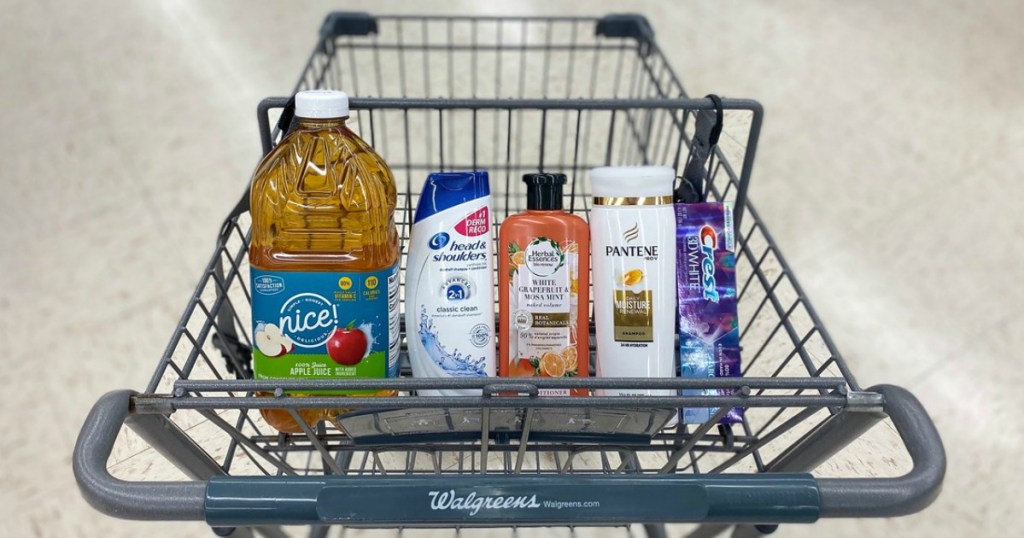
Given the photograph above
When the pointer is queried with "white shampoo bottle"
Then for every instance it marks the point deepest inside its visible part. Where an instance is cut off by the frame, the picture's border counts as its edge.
(632, 229)
(449, 281)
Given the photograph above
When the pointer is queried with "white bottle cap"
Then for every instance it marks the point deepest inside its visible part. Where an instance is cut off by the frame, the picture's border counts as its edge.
(318, 104)
(633, 181)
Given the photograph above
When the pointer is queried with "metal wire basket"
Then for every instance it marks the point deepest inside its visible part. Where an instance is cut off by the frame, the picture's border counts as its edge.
(512, 96)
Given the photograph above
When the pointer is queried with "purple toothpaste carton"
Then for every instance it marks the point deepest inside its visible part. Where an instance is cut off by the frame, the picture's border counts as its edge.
(709, 341)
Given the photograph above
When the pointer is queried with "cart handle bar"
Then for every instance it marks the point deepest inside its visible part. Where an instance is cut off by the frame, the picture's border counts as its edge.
(434, 500)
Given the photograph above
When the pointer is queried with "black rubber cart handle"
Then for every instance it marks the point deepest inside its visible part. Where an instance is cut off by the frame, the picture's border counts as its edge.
(503, 499)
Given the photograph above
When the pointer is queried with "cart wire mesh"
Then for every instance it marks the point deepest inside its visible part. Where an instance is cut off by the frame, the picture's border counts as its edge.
(512, 96)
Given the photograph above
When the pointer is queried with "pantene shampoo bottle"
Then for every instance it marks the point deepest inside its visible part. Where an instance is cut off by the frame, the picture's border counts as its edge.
(543, 281)
(632, 226)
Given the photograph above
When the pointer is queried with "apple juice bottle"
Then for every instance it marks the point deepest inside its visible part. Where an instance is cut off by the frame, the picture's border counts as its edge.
(324, 258)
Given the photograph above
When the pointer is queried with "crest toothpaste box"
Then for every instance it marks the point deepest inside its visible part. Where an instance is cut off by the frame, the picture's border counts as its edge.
(709, 342)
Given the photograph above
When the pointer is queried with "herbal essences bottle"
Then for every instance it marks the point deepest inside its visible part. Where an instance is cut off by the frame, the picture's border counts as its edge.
(632, 223)
(324, 257)
(543, 272)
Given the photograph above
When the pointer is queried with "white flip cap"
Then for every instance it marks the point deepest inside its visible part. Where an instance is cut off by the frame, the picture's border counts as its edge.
(633, 181)
(317, 104)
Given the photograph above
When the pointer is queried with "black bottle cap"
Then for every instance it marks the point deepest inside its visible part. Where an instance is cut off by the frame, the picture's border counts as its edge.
(544, 191)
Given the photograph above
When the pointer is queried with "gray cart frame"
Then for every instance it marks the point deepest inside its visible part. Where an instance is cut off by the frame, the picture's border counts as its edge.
(513, 95)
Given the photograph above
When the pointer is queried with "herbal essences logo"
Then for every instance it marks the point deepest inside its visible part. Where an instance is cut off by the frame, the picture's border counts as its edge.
(308, 319)
(708, 243)
(544, 257)
(630, 236)
(450, 500)
(474, 227)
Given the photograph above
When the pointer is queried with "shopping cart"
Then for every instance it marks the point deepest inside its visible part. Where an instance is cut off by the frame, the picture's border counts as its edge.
(512, 96)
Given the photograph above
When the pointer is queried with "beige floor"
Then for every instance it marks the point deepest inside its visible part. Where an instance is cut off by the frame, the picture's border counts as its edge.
(889, 171)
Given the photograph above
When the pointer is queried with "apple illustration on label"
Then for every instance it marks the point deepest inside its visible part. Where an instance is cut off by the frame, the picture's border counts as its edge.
(271, 342)
(347, 346)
